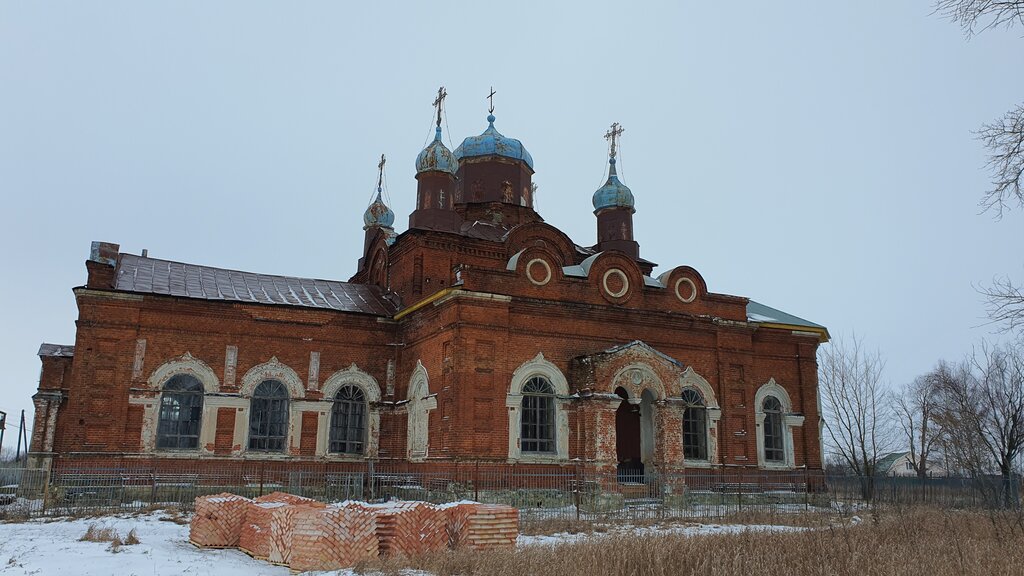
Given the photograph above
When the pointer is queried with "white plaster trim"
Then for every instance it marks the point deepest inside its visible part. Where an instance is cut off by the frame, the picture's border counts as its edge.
(789, 420)
(185, 364)
(547, 270)
(625, 283)
(272, 369)
(693, 290)
(417, 440)
(371, 390)
(537, 366)
(636, 377)
(712, 413)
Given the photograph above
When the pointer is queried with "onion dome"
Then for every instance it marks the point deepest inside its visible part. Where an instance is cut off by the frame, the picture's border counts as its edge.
(492, 143)
(436, 157)
(378, 214)
(613, 194)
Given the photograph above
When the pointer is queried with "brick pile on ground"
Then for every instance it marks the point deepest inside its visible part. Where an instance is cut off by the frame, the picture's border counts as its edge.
(284, 522)
(482, 526)
(332, 538)
(410, 528)
(218, 520)
(307, 535)
(255, 537)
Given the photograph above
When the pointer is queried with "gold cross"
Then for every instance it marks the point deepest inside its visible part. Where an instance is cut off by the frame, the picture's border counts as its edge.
(380, 172)
(438, 102)
(490, 97)
(613, 135)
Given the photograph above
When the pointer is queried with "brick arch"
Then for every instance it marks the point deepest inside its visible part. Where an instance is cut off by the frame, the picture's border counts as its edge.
(273, 369)
(352, 375)
(185, 364)
(636, 377)
(540, 234)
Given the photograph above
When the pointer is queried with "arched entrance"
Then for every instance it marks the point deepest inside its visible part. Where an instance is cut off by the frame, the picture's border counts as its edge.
(634, 436)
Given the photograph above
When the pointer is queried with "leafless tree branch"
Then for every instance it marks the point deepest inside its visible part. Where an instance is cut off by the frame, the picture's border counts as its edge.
(1004, 139)
(975, 16)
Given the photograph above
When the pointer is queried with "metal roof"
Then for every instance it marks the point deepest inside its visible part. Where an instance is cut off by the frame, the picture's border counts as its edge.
(757, 312)
(60, 350)
(153, 276)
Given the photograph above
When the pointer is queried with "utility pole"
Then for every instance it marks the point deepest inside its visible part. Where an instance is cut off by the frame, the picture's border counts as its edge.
(3, 426)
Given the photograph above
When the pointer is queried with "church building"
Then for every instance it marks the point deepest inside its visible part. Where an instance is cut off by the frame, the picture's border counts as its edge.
(478, 334)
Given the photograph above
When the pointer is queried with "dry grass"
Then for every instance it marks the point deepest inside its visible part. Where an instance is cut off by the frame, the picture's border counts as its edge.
(911, 542)
(97, 533)
(132, 538)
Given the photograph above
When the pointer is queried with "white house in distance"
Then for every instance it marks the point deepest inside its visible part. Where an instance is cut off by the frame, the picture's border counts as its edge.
(899, 464)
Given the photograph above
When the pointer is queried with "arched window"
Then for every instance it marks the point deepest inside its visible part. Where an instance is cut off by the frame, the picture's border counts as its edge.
(348, 421)
(774, 443)
(537, 432)
(695, 426)
(268, 417)
(181, 409)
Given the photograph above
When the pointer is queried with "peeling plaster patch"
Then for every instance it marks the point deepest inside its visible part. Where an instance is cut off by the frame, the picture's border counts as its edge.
(230, 361)
(314, 371)
(140, 357)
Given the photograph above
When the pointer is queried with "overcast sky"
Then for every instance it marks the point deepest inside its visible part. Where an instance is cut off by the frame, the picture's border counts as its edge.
(814, 156)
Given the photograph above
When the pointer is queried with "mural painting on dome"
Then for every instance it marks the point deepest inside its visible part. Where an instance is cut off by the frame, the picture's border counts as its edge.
(525, 198)
(506, 191)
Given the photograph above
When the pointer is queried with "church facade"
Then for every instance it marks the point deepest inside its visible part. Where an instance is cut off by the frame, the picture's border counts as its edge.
(479, 334)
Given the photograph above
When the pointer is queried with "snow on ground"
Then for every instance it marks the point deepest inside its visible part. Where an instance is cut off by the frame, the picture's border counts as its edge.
(682, 530)
(41, 547)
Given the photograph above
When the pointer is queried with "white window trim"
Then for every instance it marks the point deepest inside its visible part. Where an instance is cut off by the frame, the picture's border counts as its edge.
(789, 421)
(538, 366)
(421, 402)
(713, 413)
(371, 391)
(273, 369)
(191, 366)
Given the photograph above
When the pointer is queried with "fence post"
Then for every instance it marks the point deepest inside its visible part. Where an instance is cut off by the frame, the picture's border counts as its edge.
(476, 480)
(576, 490)
(263, 466)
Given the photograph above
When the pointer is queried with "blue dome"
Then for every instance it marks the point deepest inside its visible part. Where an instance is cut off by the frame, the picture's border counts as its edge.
(436, 157)
(492, 143)
(614, 193)
(378, 214)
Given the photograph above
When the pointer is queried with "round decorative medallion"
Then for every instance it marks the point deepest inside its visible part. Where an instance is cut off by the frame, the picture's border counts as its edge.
(692, 290)
(615, 283)
(538, 271)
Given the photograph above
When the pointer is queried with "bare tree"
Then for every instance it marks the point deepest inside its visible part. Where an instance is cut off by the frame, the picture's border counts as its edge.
(854, 407)
(1004, 139)
(982, 413)
(979, 15)
(915, 407)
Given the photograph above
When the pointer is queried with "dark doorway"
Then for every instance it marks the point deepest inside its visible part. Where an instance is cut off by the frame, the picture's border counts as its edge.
(627, 440)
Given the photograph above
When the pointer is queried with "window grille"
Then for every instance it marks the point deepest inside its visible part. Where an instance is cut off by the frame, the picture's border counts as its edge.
(537, 432)
(181, 411)
(348, 421)
(268, 417)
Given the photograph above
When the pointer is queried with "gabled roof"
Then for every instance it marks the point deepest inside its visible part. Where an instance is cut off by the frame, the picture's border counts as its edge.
(885, 462)
(153, 276)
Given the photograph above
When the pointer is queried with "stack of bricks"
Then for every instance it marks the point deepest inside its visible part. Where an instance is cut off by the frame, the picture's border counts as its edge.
(410, 528)
(332, 538)
(255, 537)
(218, 520)
(307, 535)
(283, 523)
(482, 526)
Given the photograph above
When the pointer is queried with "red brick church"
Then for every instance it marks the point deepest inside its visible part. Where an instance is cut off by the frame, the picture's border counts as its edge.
(480, 333)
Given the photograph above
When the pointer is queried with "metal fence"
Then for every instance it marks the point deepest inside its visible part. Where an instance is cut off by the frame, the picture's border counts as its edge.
(539, 494)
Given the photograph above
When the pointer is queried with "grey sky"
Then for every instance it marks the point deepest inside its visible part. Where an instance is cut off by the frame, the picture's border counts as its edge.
(814, 156)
